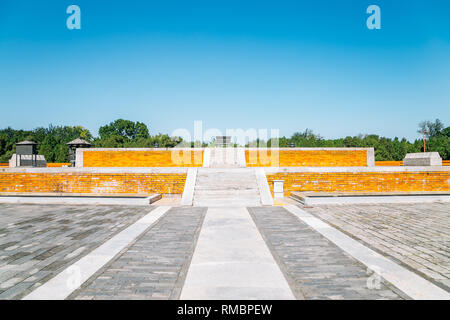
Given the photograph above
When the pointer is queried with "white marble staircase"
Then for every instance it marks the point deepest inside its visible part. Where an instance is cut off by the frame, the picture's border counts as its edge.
(226, 158)
(226, 187)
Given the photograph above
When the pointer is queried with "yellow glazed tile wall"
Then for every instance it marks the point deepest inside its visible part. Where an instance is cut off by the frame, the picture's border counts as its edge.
(388, 163)
(57, 165)
(361, 181)
(163, 183)
(131, 158)
(308, 158)
(400, 163)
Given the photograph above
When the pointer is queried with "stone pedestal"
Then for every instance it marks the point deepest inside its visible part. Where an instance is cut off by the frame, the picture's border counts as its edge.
(422, 159)
(27, 160)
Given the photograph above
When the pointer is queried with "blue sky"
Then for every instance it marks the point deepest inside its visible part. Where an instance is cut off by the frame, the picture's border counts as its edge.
(280, 64)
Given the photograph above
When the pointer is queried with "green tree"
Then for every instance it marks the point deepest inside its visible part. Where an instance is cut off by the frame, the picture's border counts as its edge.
(124, 133)
(432, 129)
(51, 141)
(446, 132)
(127, 129)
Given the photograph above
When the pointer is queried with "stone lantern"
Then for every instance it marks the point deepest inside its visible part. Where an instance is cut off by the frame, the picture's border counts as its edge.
(73, 145)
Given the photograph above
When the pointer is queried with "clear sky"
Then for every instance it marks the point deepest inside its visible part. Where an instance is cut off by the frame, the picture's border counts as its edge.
(280, 64)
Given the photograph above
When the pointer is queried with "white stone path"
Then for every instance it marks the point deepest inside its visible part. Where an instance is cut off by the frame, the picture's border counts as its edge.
(232, 261)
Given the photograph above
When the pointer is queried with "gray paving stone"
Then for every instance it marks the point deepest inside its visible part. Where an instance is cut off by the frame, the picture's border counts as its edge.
(315, 267)
(416, 236)
(16, 290)
(154, 267)
(36, 239)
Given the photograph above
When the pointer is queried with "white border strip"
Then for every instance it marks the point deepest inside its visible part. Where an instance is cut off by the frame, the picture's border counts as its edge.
(206, 157)
(357, 169)
(264, 189)
(241, 157)
(189, 187)
(410, 283)
(142, 170)
(71, 278)
(79, 158)
(370, 154)
(376, 199)
(114, 201)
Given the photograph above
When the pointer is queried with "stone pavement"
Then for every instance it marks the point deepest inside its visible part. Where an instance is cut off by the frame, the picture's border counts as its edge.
(232, 261)
(154, 267)
(258, 252)
(38, 241)
(315, 267)
(416, 236)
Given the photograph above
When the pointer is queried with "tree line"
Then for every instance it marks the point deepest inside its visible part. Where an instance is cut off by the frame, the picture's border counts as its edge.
(52, 141)
(128, 134)
(437, 138)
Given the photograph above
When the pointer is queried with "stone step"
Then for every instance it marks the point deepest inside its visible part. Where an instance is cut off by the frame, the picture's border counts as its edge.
(226, 187)
(227, 197)
(227, 202)
(224, 158)
(239, 192)
(220, 184)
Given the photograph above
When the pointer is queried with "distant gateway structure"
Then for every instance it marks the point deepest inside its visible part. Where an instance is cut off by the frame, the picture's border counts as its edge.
(223, 141)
